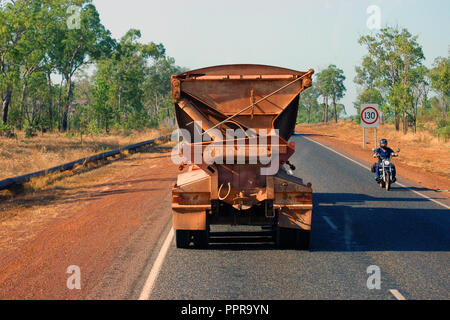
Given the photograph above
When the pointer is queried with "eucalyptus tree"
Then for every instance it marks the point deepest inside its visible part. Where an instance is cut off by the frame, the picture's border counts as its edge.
(420, 87)
(440, 81)
(337, 87)
(309, 105)
(393, 55)
(324, 86)
(18, 20)
(126, 71)
(158, 87)
(331, 85)
(71, 48)
(35, 65)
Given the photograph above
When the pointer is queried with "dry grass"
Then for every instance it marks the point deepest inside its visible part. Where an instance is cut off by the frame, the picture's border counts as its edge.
(22, 156)
(421, 150)
(57, 195)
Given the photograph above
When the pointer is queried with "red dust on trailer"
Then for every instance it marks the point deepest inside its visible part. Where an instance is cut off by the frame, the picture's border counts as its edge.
(241, 97)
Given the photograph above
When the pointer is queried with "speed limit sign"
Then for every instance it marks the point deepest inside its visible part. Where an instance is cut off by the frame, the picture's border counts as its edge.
(370, 116)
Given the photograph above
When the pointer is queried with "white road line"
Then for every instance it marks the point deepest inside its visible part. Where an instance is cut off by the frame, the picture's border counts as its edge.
(326, 147)
(330, 223)
(397, 294)
(149, 284)
(365, 167)
(424, 195)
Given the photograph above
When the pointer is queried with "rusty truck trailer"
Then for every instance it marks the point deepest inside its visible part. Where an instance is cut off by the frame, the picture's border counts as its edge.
(253, 99)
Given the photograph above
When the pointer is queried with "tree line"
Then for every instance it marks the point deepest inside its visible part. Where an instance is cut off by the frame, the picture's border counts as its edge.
(392, 75)
(101, 82)
(320, 103)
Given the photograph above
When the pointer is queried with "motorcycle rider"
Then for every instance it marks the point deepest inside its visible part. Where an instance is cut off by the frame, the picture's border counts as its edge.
(384, 152)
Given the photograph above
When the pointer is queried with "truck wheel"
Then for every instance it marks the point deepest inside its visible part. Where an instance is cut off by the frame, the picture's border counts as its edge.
(201, 239)
(183, 239)
(285, 238)
(303, 239)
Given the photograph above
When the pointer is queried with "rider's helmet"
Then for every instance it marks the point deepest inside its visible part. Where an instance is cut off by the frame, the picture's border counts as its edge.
(384, 143)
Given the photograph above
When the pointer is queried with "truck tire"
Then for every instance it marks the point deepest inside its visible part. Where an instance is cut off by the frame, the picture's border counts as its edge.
(183, 239)
(285, 238)
(200, 239)
(293, 239)
(303, 239)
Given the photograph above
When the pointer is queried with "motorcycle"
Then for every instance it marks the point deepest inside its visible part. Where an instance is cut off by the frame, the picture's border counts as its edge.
(386, 170)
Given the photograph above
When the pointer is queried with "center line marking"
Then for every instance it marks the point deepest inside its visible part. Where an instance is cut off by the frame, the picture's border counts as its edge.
(365, 167)
(330, 223)
(150, 283)
(397, 294)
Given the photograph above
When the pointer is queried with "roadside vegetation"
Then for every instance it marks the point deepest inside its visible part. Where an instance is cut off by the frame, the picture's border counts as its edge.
(433, 155)
(320, 103)
(60, 70)
(69, 90)
(22, 155)
(392, 75)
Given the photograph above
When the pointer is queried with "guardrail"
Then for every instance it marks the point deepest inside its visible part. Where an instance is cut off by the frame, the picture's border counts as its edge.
(17, 181)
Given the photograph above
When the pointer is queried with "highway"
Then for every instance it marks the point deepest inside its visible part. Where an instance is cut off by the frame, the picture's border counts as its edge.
(355, 225)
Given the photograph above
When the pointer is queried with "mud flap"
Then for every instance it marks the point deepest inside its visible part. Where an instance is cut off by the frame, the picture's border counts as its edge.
(295, 217)
(189, 221)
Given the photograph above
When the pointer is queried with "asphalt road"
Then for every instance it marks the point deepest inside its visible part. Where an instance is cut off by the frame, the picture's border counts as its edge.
(355, 225)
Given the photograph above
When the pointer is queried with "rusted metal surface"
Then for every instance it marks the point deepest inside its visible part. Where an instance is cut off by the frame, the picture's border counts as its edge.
(243, 97)
(220, 92)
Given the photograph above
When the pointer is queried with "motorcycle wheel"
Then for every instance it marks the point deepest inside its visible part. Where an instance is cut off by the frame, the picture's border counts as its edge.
(388, 182)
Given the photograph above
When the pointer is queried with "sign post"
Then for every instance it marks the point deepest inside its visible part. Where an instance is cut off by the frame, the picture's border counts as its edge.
(370, 118)
(376, 140)
(364, 137)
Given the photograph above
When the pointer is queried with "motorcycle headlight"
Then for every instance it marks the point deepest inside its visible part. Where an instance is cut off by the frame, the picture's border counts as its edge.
(386, 163)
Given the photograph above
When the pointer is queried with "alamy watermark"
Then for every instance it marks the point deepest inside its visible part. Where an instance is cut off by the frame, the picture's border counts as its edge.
(74, 19)
(74, 281)
(374, 280)
(374, 20)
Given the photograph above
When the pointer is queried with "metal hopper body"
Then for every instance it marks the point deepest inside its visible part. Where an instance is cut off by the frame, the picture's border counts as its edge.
(254, 100)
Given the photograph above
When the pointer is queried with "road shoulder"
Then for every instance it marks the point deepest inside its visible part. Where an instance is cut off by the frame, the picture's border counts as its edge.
(94, 227)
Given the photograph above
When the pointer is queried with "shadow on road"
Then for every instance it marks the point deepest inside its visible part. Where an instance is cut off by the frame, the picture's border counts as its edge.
(395, 225)
(352, 224)
(230, 246)
(419, 189)
(359, 198)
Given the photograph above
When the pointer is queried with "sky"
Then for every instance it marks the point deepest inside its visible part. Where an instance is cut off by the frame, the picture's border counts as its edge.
(296, 34)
